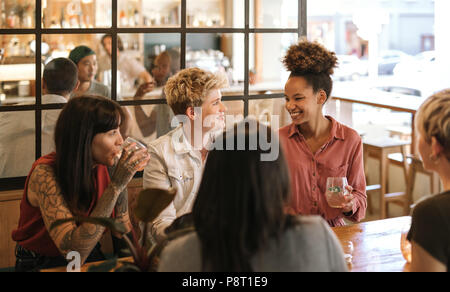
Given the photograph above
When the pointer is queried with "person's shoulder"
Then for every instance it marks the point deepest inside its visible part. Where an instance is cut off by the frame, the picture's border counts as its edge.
(163, 143)
(347, 132)
(432, 204)
(284, 130)
(181, 253)
(311, 223)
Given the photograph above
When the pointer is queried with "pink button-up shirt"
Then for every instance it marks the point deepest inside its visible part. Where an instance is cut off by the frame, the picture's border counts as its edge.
(340, 156)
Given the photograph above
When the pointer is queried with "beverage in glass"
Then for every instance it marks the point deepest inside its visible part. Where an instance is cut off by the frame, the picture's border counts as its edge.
(405, 244)
(336, 191)
(138, 145)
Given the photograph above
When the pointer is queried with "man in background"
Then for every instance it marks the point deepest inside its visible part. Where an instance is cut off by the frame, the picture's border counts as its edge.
(17, 129)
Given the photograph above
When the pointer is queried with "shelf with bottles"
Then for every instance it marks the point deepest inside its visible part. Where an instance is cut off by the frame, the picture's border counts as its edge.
(17, 14)
(76, 13)
(210, 13)
(149, 13)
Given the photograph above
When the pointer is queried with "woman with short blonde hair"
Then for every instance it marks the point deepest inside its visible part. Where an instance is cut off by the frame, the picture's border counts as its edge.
(189, 88)
(179, 156)
(429, 234)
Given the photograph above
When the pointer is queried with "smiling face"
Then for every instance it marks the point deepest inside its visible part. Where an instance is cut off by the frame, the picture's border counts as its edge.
(301, 102)
(87, 68)
(106, 147)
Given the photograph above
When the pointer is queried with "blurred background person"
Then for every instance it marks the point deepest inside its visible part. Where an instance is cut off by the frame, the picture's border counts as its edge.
(59, 80)
(86, 61)
(132, 73)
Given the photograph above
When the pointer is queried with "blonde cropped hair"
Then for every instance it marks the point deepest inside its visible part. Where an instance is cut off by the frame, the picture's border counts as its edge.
(189, 88)
(433, 119)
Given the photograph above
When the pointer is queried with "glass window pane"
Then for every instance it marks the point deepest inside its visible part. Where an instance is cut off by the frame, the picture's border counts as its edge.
(17, 143)
(89, 64)
(149, 13)
(385, 49)
(76, 14)
(49, 119)
(234, 113)
(17, 14)
(222, 53)
(215, 13)
(142, 58)
(274, 14)
(271, 112)
(267, 73)
(17, 70)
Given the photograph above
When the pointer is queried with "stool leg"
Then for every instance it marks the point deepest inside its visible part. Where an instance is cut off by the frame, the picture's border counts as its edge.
(383, 178)
(408, 181)
(366, 171)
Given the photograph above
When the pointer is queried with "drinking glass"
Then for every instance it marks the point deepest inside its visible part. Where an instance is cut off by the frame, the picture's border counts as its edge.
(348, 248)
(405, 245)
(139, 145)
(336, 191)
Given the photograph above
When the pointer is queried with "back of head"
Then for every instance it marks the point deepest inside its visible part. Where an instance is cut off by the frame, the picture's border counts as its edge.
(314, 62)
(239, 206)
(80, 120)
(189, 87)
(433, 119)
(60, 76)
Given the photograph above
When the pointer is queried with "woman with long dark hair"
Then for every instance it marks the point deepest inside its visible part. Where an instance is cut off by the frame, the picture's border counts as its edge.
(240, 221)
(74, 182)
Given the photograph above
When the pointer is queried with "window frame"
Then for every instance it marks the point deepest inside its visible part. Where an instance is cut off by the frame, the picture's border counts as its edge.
(19, 182)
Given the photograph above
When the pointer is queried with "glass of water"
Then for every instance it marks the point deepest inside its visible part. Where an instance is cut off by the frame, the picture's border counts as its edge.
(336, 191)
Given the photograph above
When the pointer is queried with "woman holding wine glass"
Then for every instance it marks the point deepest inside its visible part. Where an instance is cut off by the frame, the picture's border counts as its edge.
(317, 147)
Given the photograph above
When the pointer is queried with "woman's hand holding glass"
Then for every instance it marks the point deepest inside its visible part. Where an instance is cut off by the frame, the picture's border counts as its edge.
(339, 194)
(134, 158)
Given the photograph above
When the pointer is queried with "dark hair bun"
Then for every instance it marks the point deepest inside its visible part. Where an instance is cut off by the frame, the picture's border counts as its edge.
(310, 58)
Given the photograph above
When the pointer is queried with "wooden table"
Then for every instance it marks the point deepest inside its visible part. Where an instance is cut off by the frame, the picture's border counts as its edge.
(376, 245)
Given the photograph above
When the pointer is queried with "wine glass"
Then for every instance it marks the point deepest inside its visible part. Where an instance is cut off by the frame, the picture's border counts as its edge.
(405, 244)
(348, 248)
(336, 191)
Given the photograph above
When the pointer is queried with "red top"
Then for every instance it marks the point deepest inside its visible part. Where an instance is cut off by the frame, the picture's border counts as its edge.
(32, 233)
(341, 155)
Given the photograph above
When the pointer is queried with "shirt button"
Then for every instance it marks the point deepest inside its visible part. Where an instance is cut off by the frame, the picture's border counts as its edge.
(314, 188)
(315, 204)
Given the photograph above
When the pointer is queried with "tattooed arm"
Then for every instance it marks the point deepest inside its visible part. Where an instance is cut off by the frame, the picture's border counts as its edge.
(122, 214)
(68, 237)
(44, 190)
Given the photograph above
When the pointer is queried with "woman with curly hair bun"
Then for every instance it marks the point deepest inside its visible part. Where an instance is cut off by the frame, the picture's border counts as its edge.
(317, 146)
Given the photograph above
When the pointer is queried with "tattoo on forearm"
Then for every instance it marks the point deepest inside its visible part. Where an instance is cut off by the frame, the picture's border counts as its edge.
(69, 237)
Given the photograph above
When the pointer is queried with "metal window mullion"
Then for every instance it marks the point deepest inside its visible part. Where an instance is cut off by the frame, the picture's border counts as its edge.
(113, 33)
(302, 18)
(183, 37)
(38, 81)
(246, 57)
